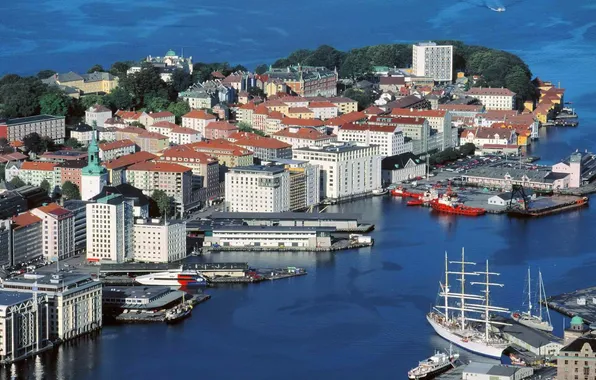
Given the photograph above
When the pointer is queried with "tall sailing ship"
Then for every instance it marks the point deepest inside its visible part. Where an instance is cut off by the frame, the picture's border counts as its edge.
(535, 321)
(465, 318)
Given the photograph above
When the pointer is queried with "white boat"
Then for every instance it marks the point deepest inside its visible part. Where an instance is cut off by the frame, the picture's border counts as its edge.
(526, 318)
(380, 191)
(498, 9)
(464, 318)
(438, 363)
(173, 278)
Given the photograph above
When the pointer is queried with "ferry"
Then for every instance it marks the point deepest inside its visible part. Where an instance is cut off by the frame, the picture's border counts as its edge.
(435, 365)
(173, 278)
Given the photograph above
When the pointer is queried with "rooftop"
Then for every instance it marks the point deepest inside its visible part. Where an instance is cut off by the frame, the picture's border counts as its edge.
(302, 133)
(52, 281)
(199, 114)
(221, 125)
(127, 191)
(284, 216)
(410, 112)
(334, 148)
(30, 119)
(368, 127)
(491, 369)
(38, 165)
(161, 115)
(116, 144)
(273, 169)
(164, 167)
(129, 159)
(488, 91)
(25, 219)
(8, 298)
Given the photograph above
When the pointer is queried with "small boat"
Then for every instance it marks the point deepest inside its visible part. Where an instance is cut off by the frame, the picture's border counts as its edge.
(381, 191)
(498, 9)
(399, 192)
(438, 363)
(528, 319)
(178, 313)
(415, 202)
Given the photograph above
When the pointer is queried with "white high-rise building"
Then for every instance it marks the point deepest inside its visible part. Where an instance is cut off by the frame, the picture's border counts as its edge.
(347, 169)
(432, 60)
(159, 242)
(58, 231)
(390, 139)
(258, 188)
(110, 229)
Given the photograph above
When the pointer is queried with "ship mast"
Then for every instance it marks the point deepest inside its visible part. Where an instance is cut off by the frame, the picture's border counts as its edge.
(462, 279)
(529, 294)
(446, 289)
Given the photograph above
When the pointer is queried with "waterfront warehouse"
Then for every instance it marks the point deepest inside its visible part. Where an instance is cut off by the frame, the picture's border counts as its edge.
(268, 237)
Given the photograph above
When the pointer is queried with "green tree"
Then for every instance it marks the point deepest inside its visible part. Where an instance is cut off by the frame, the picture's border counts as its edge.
(119, 99)
(70, 191)
(119, 69)
(144, 84)
(44, 74)
(137, 124)
(5, 146)
(17, 182)
(20, 96)
(364, 98)
(55, 103)
(256, 91)
(163, 201)
(261, 69)
(72, 143)
(467, 149)
(179, 108)
(45, 185)
(32, 143)
(326, 56)
(181, 80)
(91, 100)
(96, 68)
(47, 144)
(156, 103)
(245, 127)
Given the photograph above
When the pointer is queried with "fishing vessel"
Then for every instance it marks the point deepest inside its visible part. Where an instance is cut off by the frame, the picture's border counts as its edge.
(173, 278)
(464, 318)
(446, 204)
(526, 318)
(179, 312)
(438, 363)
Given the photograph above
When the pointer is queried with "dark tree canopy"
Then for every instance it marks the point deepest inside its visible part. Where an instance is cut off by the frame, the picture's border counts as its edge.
(119, 99)
(95, 68)
(45, 185)
(70, 191)
(144, 84)
(261, 69)
(17, 182)
(55, 102)
(44, 74)
(163, 201)
(181, 80)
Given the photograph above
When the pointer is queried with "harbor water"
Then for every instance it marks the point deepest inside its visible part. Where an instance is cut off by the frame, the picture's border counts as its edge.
(357, 314)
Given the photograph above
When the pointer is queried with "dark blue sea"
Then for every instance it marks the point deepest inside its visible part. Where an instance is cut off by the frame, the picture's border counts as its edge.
(357, 313)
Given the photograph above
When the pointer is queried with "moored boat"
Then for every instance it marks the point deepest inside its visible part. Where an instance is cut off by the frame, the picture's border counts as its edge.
(415, 202)
(449, 204)
(528, 319)
(173, 278)
(439, 363)
(178, 313)
(380, 191)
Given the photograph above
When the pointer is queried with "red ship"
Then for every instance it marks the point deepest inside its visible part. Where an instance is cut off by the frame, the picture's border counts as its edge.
(401, 192)
(446, 205)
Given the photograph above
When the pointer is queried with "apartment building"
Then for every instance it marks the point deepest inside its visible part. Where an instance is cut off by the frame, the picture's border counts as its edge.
(35, 172)
(53, 127)
(390, 139)
(304, 183)
(148, 119)
(109, 229)
(176, 135)
(302, 137)
(70, 171)
(346, 169)
(423, 138)
(58, 233)
(146, 141)
(257, 188)
(97, 115)
(197, 120)
(74, 301)
(323, 110)
(79, 209)
(219, 130)
(114, 149)
(227, 154)
(174, 179)
(432, 60)
(264, 148)
(117, 168)
(156, 241)
(27, 231)
(439, 120)
(494, 98)
(83, 133)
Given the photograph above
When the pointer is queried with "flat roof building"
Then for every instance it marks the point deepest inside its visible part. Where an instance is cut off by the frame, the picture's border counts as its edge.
(259, 188)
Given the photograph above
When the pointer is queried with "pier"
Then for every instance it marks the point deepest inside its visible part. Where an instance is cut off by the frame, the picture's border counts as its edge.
(580, 302)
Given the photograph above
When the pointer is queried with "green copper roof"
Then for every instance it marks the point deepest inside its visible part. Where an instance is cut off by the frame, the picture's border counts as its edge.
(171, 53)
(577, 320)
(94, 163)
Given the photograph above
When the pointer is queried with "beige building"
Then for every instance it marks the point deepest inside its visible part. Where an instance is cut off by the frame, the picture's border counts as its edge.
(303, 137)
(146, 141)
(258, 188)
(53, 127)
(35, 172)
(176, 135)
(148, 119)
(432, 60)
(494, 98)
(156, 241)
(58, 231)
(197, 120)
(227, 154)
(174, 179)
(92, 83)
(112, 150)
(74, 301)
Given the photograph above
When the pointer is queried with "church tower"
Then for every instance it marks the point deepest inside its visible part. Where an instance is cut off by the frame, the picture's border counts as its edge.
(94, 176)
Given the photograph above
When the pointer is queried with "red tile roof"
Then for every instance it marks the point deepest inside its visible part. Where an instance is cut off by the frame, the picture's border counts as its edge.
(397, 120)
(165, 124)
(302, 133)
(221, 125)
(16, 156)
(257, 141)
(116, 144)
(299, 110)
(346, 118)
(461, 107)
(275, 103)
(25, 219)
(220, 145)
(276, 115)
(409, 112)
(161, 115)
(323, 104)
(374, 110)
(392, 81)
(486, 91)
(163, 167)
(291, 121)
(152, 135)
(498, 114)
(38, 165)
(54, 209)
(129, 159)
(184, 152)
(199, 114)
(368, 127)
(261, 110)
(184, 131)
(129, 115)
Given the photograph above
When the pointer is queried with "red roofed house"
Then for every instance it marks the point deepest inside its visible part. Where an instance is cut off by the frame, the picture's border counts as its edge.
(145, 140)
(440, 120)
(392, 84)
(219, 130)
(202, 165)
(174, 179)
(323, 110)
(300, 113)
(148, 119)
(265, 148)
(117, 168)
(197, 120)
(35, 172)
(58, 231)
(259, 118)
(492, 136)
(389, 138)
(350, 117)
(294, 122)
(115, 149)
(227, 154)
(374, 111)
(129, 117)
(274, 122)
(176, 135)
(97, 114)
(303, 137)
(245, 112)
(493, 98)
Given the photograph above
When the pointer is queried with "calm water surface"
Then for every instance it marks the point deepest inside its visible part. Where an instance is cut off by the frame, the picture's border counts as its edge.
(357, 313)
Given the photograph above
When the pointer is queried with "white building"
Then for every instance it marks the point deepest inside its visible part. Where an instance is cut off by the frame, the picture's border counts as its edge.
(177, 135)
(488, 136)
(93, 176)
(347, 169)
(159, 242)
(269, 237)
(432, 60)
(109, 229)
(197, 120)
(83, 133)
(97, 114)
(494, 98)
(74, 301)
(58, 232)
(322, 110)
(112, 150)
(486, 371)
(573, 167)
(305, 189)
(402, 167)
(257, 188)
(390, 139)
(23, 327)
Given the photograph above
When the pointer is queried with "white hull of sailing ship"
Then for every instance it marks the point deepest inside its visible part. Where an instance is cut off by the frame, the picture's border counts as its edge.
(477, 347)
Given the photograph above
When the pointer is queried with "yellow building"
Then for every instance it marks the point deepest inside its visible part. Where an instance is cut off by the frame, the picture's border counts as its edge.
(275, 87)
(228, 154)
(87, 83)
(529, 105)
(300, 113)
